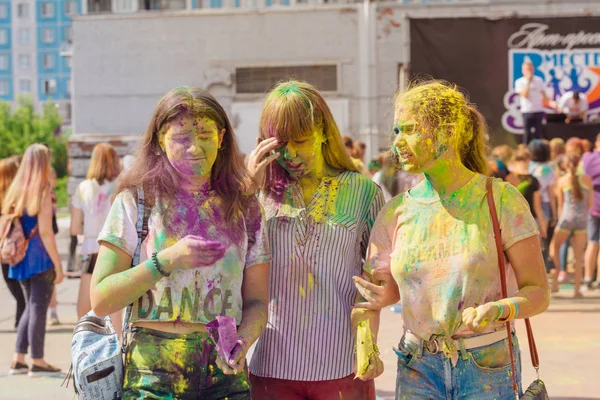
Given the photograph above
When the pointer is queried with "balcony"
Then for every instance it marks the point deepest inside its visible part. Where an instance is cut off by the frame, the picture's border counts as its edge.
(132, 6)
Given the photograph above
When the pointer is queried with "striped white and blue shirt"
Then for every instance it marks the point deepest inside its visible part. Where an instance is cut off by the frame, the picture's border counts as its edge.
(317, 249)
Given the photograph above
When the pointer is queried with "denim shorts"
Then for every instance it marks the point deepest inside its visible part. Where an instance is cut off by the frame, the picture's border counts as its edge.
(482, 373)
(594, 229)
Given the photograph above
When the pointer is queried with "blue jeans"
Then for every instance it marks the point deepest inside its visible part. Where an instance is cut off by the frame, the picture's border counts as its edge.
(422, 375)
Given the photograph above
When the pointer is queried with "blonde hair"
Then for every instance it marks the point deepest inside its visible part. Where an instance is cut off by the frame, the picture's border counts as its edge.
(31, 183)
(292, 111)
(8, 169)
(453, 119)
(105, 164)
(557, 147)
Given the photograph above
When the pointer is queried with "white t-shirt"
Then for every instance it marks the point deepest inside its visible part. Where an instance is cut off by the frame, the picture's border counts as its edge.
(94, 200)
(567, 105)
(196, 294)
(533, 102)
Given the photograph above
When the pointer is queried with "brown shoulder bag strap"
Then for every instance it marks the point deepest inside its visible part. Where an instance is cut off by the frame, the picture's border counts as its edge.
(498, 238)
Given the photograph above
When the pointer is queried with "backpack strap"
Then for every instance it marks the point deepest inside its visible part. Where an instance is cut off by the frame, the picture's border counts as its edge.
(143, 213)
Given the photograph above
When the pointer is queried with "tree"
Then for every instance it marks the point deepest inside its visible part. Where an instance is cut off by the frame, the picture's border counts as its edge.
(23, 126)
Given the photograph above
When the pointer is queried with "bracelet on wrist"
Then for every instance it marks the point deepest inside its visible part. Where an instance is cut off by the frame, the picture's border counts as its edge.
(158, 267)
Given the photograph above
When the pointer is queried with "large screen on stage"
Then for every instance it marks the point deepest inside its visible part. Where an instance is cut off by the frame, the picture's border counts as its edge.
(484, 57)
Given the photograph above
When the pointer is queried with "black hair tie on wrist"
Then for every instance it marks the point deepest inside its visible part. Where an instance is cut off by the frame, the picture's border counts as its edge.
(158, 267)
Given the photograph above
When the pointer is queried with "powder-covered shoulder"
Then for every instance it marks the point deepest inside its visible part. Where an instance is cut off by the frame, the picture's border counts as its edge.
(362, 181)
(253, 213)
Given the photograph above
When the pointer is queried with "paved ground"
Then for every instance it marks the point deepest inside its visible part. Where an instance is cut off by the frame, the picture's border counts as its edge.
(568, 336)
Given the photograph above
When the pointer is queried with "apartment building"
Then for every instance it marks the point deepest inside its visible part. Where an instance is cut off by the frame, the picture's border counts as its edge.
(128, 54)
(34, 36)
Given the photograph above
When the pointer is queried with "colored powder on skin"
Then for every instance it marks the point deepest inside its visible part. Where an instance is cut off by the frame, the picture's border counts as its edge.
(364, 347)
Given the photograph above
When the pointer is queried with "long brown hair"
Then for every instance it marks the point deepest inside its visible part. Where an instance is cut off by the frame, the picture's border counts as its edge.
(572, 165)
(31, 183)
(292, 110)
(104, 165)
(453, 119)
(8, 169)
(152, 169)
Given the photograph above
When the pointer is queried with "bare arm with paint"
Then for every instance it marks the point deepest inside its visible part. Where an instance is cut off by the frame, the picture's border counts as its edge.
(47, 235)
(255, 296)
(115, 285)
(533, 296)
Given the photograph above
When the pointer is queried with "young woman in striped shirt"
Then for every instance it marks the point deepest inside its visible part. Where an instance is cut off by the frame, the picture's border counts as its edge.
(319, 212)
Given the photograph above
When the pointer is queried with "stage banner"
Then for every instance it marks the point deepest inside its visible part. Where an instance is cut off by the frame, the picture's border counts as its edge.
(484, 57)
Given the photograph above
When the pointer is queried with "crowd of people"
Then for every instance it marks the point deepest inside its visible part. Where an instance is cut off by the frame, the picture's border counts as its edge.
(305, 245)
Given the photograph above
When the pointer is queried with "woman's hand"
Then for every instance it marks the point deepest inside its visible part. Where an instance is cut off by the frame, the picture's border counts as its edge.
(478, 319)
(60, 275)
(377, 296)
(259, 159)
(191, 252)
(236, 362)
(374, 369)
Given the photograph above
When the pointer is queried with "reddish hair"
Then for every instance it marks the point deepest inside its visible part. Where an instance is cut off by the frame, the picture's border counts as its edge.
(105, 164)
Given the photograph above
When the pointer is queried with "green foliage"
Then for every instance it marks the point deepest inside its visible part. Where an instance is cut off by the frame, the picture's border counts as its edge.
(62, 197)
(23, 126)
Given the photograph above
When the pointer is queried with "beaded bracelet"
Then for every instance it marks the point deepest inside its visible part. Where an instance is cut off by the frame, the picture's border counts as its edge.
(158, 267)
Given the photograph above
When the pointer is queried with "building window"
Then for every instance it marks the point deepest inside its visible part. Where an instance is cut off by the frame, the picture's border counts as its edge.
(70, 8)
(3, 36)
(47, 10)
(99, 5)
(3, 11)
(49, 86)
(69, 62)
(48, 35)
(68, 88)
(48, 61)
(23, 35)
(4, 60)
(68, 33)
(262, 79)
(4, 87)
(23, 10)
(25, 86)
(24, 61)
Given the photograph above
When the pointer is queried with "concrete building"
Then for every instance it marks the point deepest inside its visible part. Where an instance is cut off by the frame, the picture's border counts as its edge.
(356, 53)
(33, 34)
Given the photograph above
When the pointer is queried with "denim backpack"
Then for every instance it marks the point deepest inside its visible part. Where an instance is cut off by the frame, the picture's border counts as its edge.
(96, 355)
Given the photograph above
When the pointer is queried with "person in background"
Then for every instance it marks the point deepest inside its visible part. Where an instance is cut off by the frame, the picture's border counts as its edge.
(8, 170)
(588, 147)
(591, 167)
(90, 207)
(574, 105)
(393, 180)
(53, 181)
(30, 197)
(557, 147)
(529, 187)
(531, 89)
(503, 153)
(359, 149)
(574, 202)
(349, 146)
